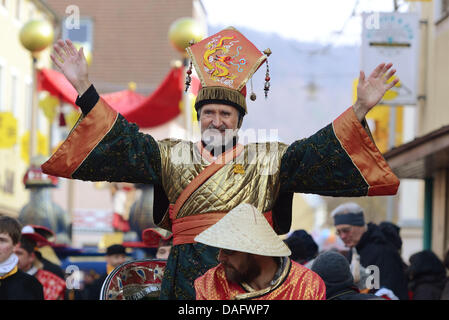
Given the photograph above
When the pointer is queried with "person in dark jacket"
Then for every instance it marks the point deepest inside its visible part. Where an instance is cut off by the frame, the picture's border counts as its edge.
(115, 256)
(445, 293)
(333, 268)
(427, 276)
(304, 249)
(372, 247)
(14, 284)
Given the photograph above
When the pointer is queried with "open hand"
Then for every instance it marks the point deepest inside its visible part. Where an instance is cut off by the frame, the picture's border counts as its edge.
(371, 90)
(72, 63)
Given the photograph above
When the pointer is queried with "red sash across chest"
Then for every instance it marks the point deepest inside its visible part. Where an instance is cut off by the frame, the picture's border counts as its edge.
(185, 229)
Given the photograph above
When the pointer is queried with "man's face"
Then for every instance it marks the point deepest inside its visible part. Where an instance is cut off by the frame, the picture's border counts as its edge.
(218, 124)
(163, 252)
(350, 235)
(115, 259)
(239, 266)
(6, 247)
(26, 259)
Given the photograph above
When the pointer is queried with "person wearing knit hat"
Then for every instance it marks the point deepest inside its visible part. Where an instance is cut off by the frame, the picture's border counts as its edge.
(303, 246)
(254, 262)
(349, 223)
(333, 268)
(196, 183)
(370, 247)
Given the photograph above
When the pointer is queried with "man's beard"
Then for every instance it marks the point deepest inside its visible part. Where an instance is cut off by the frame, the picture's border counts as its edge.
(249, 270)
(218, 140)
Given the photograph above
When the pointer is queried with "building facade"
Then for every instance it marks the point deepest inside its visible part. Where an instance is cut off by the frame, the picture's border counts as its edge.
(427, 157)
(128, 39)
(128, 42)
(16, 87)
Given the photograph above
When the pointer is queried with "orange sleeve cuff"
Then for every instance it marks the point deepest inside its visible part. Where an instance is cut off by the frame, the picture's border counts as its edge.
(365, 155)
(83, 138)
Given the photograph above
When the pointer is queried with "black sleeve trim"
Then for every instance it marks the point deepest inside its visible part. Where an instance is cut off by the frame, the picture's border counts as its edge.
(88, 100)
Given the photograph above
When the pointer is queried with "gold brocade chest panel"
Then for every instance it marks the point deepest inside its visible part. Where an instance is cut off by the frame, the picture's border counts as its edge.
(252, 177)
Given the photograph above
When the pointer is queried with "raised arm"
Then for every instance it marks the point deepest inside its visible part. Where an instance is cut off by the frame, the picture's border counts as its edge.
(342, 159)
(371, 90)
(103, 145)
(72, 63)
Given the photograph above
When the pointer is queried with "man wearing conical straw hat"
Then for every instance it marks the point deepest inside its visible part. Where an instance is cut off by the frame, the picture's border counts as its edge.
(197, 183)
(254, 262)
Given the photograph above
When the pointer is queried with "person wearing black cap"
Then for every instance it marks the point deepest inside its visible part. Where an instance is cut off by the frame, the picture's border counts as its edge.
(370, 247)
(334, 269)
(115, 256)
(304, 249)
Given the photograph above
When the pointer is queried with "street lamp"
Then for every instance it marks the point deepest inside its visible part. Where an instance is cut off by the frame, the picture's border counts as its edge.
(181, 33)
(35, 36)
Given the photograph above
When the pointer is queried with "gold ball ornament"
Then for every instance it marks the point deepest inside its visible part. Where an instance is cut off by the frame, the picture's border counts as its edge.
(36, 35)
(182, 31)
(132, 86)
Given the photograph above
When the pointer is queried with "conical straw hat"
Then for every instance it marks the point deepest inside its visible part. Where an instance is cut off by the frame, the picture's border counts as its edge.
(244, 229)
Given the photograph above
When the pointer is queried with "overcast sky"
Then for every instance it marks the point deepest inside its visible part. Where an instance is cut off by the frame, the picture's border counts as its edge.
(304, 20)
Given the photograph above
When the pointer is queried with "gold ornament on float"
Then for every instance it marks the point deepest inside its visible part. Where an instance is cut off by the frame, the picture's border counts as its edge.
(184, 30)
(36, 35)
(132, 86)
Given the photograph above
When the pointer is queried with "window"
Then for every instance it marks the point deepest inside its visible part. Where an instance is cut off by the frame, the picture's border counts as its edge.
(18, 9)
(4, 7)
(14, 106)
(441, 10)
(2, 85)
(28, 102)
(30, 13)
(444, 7)
(82, 33)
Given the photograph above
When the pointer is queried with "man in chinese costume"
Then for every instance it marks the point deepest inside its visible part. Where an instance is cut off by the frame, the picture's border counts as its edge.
(196, 184)
(254, 262)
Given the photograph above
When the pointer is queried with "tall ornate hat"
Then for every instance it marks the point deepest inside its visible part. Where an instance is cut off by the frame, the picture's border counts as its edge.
(225, 62)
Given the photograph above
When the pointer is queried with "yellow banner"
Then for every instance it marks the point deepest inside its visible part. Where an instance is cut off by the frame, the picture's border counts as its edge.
(49, 105)
(42, 146)
(8, 130)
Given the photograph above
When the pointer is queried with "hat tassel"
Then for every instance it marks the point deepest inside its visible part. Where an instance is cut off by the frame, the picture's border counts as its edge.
(188, 77)
(189, 71)
(267, 74)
